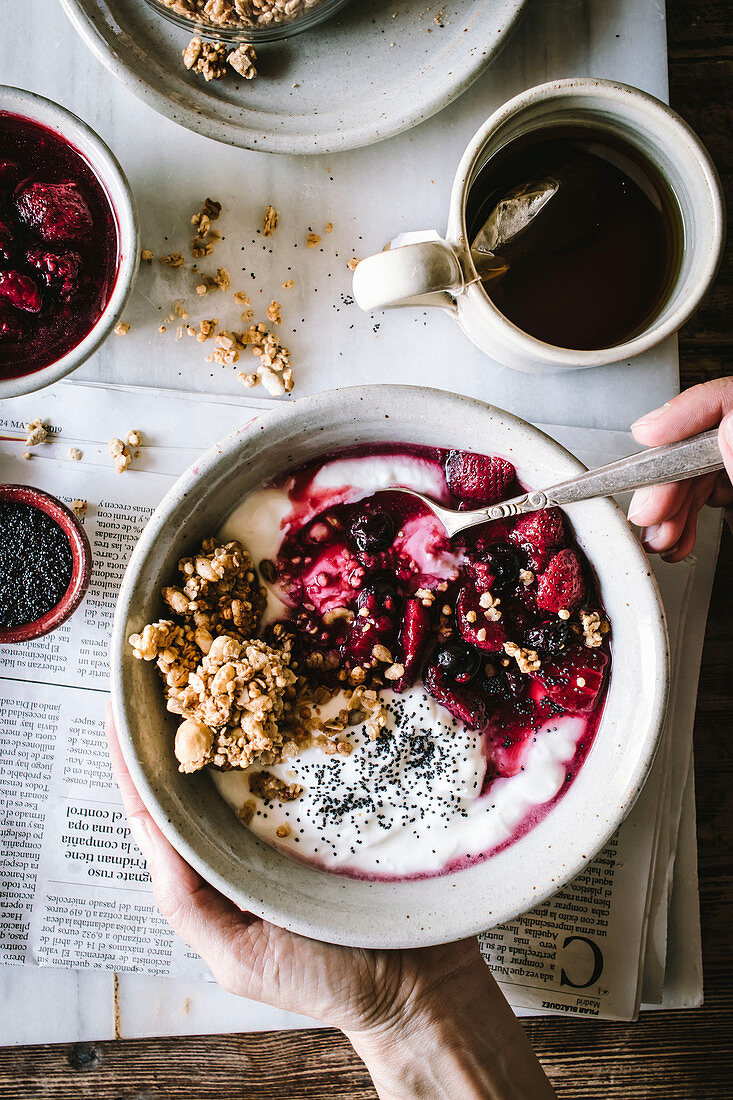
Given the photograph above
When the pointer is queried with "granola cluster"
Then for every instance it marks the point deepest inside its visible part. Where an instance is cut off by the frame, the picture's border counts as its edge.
(242, 700)
(241, 13)
(210, 59)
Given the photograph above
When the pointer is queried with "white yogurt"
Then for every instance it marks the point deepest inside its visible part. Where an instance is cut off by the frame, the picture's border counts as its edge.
(408, 803)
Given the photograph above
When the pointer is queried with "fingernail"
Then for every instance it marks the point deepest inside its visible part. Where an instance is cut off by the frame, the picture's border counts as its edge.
(727, 426)
(650, 537)
(141, 835)
(650, 416)
(639, 502)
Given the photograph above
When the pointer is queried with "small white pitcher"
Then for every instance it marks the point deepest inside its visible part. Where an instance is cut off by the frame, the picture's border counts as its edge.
(436, 272)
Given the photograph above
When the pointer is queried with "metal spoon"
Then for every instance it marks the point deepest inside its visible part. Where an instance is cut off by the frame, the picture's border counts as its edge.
(656, 466)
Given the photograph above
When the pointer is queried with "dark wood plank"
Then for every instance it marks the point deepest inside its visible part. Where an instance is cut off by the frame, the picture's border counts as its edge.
(684, 1055)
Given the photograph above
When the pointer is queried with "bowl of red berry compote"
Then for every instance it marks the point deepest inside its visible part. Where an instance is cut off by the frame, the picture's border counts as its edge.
(468, 719)
(68, 241)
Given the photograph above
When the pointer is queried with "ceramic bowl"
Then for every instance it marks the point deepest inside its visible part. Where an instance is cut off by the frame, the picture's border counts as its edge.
(17, 101)
(81, 554)
(333, 907)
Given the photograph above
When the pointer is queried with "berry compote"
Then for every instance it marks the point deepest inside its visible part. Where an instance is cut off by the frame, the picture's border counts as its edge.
(58, 247)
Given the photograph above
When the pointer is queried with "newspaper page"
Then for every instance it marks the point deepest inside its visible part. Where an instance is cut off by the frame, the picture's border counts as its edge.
(74, 890)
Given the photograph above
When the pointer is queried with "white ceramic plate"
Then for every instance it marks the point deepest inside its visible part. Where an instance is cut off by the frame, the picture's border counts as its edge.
(332, 907)
(374, 70)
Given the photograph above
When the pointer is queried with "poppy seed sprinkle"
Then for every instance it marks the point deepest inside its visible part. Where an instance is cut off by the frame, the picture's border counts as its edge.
(36, 564)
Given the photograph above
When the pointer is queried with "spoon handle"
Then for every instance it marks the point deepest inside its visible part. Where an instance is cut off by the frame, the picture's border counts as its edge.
(656, 466)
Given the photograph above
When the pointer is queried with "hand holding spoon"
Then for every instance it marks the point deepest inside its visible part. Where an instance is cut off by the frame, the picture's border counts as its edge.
(656, 466)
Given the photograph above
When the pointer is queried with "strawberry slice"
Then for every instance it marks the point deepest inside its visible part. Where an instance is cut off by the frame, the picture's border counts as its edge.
(473, 625)
(480, 479)
(541, 533)
(20, 291)
(374, 624)
(561, 585)
(56, 211)
(464, 703)
(414, 637)
(575, 680)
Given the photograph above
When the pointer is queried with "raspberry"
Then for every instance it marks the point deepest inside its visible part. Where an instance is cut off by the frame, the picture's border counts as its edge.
(561, 585)
(480, 479)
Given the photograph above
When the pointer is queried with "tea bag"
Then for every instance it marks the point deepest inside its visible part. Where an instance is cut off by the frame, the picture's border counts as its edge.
(559, 208)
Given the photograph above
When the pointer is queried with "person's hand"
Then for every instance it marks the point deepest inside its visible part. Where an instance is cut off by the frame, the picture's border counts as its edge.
(429, 1022)
(668, 513)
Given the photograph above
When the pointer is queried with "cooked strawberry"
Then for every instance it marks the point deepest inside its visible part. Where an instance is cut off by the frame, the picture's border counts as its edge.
(7, 239)
(575, 679)
(464, 703)
(480, 479)
(414, 637)
(475, 628)
(541, 533)
(11, 326)
(56, 211)
(60, 271)
(375, 623)
(561, 585)
(20, 291)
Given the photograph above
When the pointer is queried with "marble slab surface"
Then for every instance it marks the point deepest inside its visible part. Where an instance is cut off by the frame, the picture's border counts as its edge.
(370, 195)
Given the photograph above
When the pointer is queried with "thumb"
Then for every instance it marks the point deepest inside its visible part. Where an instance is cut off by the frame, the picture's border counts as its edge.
(725, 441)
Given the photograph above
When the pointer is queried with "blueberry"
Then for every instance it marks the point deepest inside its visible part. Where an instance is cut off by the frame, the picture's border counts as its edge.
(372, 532)
(458, 661)
(503, 562)
(550, 639)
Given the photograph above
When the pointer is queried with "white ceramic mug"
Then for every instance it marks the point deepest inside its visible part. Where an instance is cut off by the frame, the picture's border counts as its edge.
(440, 272)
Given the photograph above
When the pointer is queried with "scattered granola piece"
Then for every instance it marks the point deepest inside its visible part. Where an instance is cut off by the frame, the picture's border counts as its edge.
(122, 328)
(75, 454)
(206, 58)
(226, 357)
(353, 263)
(329, 227)
(120, 455)
(79, 507)
(241, 298)
(526, 659)
(173, 259)
(242, 60)
(271, 382)
(134, 438)
(36, 432)
(312, 240)
(282, 831)
(26, 454)
(288, 284)
(272, 789)
(274, 312)
(270, 223)
(146, 256)
(248, 379)
(206, 330)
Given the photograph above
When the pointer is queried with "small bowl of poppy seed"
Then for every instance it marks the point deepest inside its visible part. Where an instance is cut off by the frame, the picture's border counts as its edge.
(45, 563)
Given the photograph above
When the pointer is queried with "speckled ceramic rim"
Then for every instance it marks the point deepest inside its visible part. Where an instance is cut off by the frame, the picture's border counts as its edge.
(81, 557)
(96, 24)
(112, 179)
(385, 914)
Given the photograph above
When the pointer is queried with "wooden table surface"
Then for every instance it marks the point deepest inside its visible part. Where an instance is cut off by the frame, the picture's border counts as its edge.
(677, 1055)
